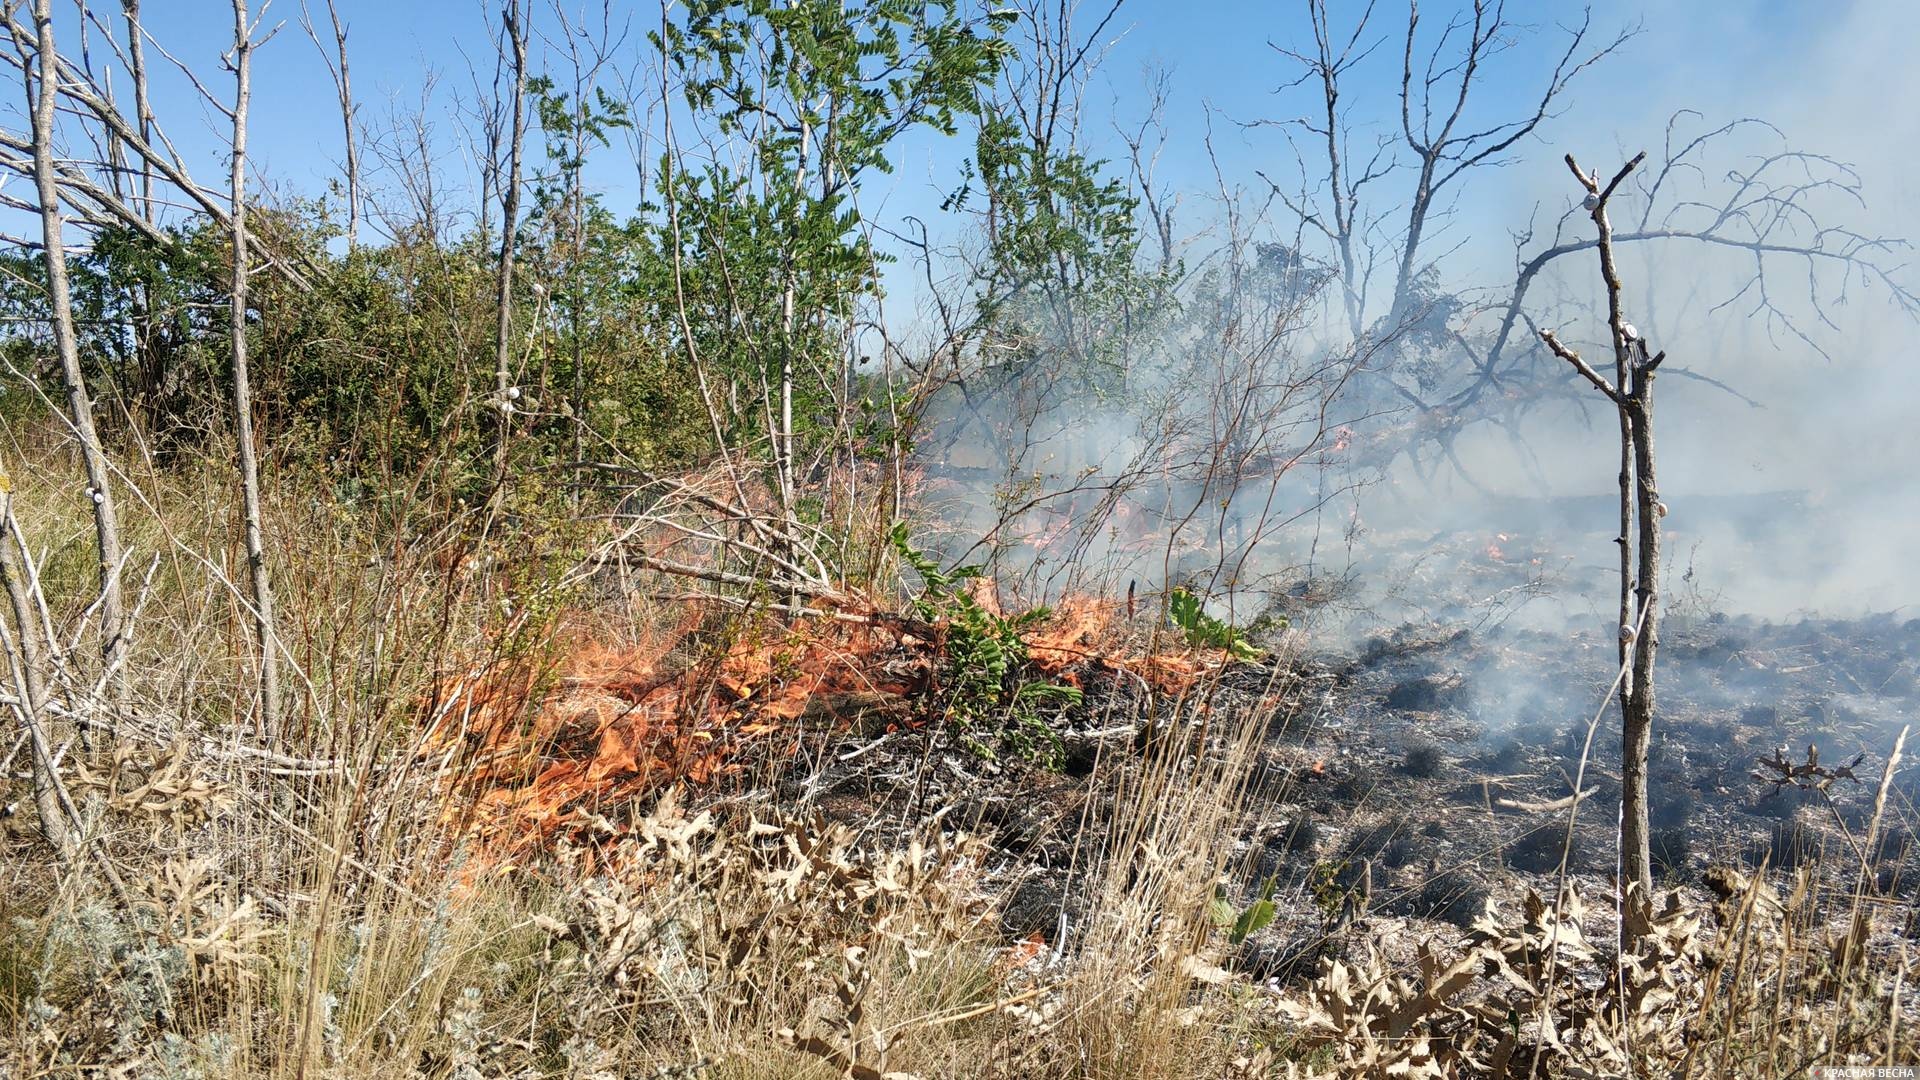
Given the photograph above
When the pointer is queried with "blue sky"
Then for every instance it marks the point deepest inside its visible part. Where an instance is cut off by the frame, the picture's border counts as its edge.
(1719, 56)
(1836, 77)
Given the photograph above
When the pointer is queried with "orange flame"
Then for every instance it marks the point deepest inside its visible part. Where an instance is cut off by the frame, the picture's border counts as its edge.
(612, 724)
(1073, 634)
(544, 751)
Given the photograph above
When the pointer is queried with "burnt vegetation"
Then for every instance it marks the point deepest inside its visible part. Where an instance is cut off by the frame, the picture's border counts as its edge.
(596, 589)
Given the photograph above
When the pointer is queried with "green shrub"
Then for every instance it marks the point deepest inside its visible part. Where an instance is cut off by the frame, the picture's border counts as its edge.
(1203, 630)
(990, 693)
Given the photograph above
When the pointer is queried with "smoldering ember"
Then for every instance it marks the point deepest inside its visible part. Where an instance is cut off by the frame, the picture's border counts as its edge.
(897, 539)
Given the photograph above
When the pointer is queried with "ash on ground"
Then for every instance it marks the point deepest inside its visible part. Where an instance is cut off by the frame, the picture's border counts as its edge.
(1407, 781)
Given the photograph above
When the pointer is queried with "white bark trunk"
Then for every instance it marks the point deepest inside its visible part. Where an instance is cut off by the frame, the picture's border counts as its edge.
(60, 303)
(263, 615)
(516, 40)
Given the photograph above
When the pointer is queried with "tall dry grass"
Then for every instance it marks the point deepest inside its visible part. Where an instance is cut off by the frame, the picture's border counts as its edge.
(318, 906)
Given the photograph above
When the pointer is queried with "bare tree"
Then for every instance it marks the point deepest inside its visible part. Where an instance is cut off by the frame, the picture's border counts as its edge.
(242, 65)
(336, 62)
(99, 204)
(142, 107)
(25, 657)
(42, 94)
(1341, 219)
(1444, 142)
(514, 42)
(402, 147)
(1631, 392)
(1463, 356)
(135, 57)
(1445, 133)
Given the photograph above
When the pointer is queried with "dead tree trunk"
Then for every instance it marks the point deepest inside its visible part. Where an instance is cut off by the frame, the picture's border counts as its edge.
(152, 377)
(263, 618)
(29, 678)
(142, 108)
(516, 43)
(41, 100)
(1641, 509)
(1637, 701)
(343, 88)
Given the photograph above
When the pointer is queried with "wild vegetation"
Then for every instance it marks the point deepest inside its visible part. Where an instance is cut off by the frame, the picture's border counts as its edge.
(468, 623)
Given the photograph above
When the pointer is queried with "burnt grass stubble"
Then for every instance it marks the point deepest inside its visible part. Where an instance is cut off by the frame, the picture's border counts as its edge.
(1396, 788)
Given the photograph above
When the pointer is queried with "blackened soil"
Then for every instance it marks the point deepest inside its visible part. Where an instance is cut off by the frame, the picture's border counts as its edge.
(1402, 785)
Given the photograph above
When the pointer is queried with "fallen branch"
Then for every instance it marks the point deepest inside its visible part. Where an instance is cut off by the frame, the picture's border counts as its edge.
(1555, 805)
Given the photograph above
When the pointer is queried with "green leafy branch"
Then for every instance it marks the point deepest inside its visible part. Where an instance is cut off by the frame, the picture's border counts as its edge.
(1205, 631)
(1244, 923)
(987, 683)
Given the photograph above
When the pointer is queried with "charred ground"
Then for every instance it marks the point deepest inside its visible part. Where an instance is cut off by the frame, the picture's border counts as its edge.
(1430, 771)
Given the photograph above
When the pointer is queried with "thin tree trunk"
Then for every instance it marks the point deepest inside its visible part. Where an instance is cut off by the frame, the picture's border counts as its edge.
(343, 89)
(784, 443)
(1410, 252)
(1636, 728)
(516, 40)
(60, 303)
(576, 315)
(1632, 395)
(142, 109)
(1342, 206)
(346, 123)
(151, 378)
(30, 682)
(242, 389)
(1637, 572)
(116, 156)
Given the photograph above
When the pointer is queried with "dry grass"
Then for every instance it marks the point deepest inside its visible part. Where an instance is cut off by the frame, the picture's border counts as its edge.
(320, 908)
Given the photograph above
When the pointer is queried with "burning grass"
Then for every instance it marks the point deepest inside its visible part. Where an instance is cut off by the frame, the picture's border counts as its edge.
(666, 932)
(552, 740)
(1087, 632)
(551, 744)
